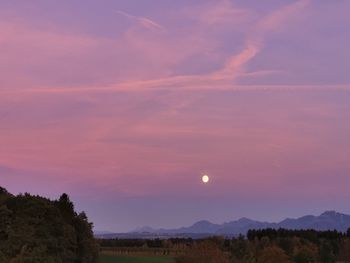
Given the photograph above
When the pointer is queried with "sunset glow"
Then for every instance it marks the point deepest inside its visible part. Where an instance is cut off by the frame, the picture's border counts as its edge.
(122, 104)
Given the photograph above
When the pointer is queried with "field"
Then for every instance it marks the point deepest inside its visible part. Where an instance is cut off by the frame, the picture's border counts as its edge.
(134, 259)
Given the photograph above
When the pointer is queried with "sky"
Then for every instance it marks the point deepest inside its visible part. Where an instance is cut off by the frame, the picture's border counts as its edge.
(124, 104)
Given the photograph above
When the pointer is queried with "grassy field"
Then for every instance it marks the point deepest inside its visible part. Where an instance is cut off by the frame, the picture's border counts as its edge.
(134, 259)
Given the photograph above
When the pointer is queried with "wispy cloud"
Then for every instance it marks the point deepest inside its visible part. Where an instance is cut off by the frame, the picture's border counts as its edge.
(161, 54)
(143, 21)
(235, 65)
(234, 68)
(255, 39)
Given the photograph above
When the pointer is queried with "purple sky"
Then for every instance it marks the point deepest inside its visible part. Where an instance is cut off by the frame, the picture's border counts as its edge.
(123, 104)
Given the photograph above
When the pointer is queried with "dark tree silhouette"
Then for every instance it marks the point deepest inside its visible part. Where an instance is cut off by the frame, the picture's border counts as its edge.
(36, 229)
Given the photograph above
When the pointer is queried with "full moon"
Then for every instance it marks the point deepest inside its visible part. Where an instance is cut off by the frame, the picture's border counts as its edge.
(205, 178)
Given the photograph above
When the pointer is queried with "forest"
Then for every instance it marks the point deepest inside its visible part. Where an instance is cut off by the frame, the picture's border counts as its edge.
(258, 246)
(34, 229)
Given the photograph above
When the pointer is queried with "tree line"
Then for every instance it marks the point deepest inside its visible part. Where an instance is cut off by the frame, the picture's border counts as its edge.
(34, 229)
(258, 246)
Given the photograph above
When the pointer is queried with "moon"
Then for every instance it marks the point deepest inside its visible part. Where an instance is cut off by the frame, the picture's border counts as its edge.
(205, 178)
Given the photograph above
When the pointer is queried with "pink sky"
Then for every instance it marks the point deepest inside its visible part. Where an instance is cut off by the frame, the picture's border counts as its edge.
(124, 104)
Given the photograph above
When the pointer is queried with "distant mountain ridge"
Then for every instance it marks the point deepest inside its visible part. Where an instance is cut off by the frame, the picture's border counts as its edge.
(329, 220)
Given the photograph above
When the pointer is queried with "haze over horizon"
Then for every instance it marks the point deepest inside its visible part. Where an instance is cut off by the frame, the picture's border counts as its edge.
(125, 104)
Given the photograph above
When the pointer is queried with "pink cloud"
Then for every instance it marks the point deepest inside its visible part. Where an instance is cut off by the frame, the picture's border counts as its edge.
(143, 110)
(152, 55)
(109, 147)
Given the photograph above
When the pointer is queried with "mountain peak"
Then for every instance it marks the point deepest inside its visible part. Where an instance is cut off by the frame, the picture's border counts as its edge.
(328, 220)
(143, 229)
(330, 213)
(245, 220)
(203, 222)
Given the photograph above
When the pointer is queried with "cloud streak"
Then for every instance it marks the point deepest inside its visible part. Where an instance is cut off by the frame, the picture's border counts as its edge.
(224, 78)
(143, 21)
(235, 65)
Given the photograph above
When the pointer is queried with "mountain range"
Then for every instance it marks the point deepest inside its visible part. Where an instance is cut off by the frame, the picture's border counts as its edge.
(329, 220)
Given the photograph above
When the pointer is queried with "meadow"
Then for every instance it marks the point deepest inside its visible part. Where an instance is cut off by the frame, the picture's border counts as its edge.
(134, 259)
